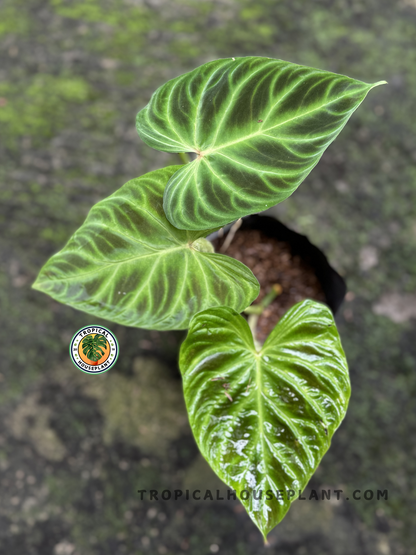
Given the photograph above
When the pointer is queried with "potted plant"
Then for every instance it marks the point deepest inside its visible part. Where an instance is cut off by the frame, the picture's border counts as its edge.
(263, 413)
(287, 265)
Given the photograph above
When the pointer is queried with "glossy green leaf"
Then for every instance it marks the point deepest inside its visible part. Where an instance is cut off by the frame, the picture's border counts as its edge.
(128, 264)
(264, 419)
(258, 126)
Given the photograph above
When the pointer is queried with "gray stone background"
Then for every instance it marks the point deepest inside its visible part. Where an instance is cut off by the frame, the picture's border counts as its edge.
(74, 449)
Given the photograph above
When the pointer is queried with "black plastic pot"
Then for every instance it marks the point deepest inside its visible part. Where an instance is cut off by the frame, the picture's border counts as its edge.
(333, 285)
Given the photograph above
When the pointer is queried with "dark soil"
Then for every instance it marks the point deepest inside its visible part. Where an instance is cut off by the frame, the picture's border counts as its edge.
(272, 262)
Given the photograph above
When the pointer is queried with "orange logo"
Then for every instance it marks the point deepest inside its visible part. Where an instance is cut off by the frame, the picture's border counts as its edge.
(94, 349)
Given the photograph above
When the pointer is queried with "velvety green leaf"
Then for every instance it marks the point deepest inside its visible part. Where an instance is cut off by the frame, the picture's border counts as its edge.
(128, 264)
(258, 126)
(264, 419)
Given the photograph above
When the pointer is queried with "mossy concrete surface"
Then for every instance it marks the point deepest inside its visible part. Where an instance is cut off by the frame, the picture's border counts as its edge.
(74, 448)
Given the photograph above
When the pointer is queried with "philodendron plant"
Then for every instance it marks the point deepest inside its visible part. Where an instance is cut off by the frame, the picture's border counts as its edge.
(263, 415)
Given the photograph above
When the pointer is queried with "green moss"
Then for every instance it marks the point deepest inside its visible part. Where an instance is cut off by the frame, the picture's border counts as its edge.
(30, 421)
(130, 18)
(146, 410)
(126, 25)
(39, 107)
(14, 21)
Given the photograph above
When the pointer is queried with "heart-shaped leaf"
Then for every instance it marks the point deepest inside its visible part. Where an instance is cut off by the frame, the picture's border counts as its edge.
(258, 126)
(264, 419)
(128, 264)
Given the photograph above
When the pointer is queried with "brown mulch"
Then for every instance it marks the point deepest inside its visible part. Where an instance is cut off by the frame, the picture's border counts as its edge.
(272, 262)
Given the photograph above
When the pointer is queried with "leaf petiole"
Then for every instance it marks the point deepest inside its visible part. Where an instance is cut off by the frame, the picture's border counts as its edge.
(184, 156)
(255, 311)
(264, 303)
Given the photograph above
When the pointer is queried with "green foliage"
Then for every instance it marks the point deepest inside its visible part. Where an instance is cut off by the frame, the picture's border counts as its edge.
(128, 264)
(258, 126)
(264, 418)
(94, 347)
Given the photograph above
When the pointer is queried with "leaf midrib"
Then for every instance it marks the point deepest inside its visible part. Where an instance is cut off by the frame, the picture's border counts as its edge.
(261, 400)
(263, 131)
(259, 386)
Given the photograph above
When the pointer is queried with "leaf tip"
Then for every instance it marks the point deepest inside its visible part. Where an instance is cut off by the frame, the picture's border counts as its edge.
(37, 285)
(42, 280)
(378, 84)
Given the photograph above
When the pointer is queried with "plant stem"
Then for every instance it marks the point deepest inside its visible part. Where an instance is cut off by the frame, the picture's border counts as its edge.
(252, 323)
(184, 156)
(255, 311)
(231, 234)
(268, 299)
